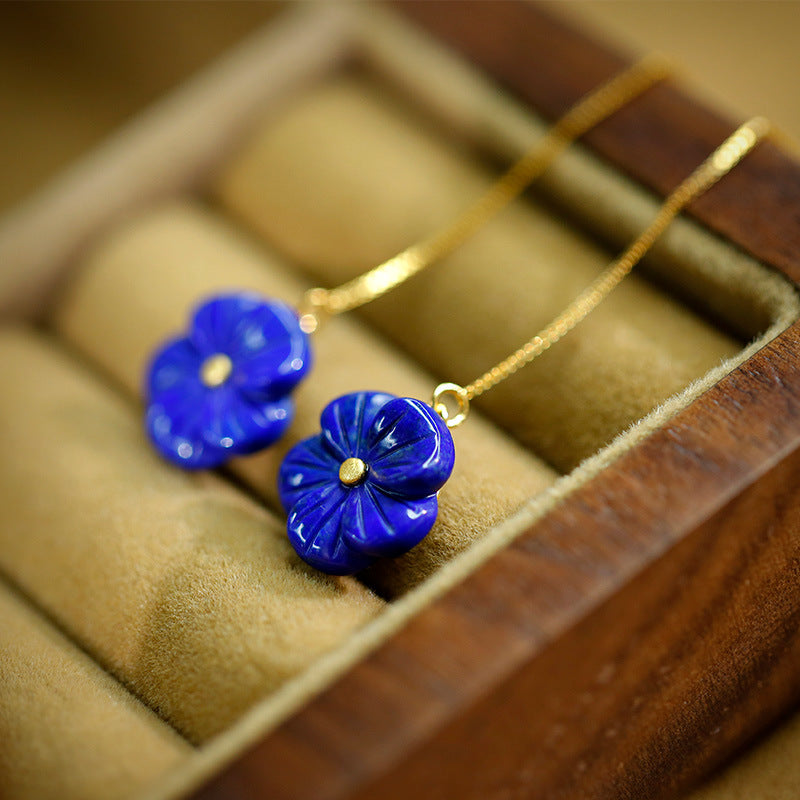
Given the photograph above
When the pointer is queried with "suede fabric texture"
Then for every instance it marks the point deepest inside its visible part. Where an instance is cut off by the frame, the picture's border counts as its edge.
(182, 587)
(768, 771)
(69, 731)
(138, 287)
(346, 176)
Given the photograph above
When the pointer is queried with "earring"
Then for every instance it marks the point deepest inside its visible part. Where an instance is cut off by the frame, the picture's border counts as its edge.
(366, 486)
(223, 389)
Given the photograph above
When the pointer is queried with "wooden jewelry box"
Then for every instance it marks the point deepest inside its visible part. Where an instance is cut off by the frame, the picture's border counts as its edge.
(608, 605)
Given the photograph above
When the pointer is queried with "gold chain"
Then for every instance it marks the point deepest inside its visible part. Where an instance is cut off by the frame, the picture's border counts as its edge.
(718, 164)
(584, 115)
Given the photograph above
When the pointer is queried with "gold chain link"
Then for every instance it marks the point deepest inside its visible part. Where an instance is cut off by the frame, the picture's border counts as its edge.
(584, 115)
(718, 164)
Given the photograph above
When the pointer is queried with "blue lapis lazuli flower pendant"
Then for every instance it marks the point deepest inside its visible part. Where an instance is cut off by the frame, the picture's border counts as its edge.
(223, 389)
(365, 487)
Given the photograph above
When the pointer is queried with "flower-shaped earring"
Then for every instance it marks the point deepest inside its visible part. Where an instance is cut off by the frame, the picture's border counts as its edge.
(365, 487)
(223, 389)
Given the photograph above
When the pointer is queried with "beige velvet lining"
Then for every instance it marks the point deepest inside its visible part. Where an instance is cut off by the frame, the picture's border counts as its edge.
(183, 588)
(68, 730)
(115, 316)
(345, 177)
(768, 771)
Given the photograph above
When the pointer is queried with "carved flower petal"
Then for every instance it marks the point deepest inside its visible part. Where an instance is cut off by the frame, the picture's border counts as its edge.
(176, 365)
(174, 422)
(306, 467)
(214, 322)
(410, 449)
(314, 531)
(271, 353)
(347, 420)
(380, 525)
(233, 423)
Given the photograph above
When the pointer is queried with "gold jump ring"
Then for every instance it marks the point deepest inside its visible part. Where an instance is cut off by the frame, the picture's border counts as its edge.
(456, 392)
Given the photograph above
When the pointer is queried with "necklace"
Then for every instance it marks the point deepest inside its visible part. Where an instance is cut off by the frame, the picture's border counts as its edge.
(224, 387)
(366, 486)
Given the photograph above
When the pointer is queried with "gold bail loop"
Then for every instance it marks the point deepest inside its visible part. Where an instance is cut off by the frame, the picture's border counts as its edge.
(313, 309)
(453, 392)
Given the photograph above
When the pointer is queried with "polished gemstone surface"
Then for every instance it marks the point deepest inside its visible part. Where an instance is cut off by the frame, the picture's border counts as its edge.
(222, 389)
(395, 453)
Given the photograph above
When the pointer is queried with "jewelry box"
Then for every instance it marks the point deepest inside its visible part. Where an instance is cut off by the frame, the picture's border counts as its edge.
(609, 609)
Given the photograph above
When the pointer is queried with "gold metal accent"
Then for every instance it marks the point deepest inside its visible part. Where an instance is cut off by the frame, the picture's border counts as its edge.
(458, 396)
(718, 164)
(313, 309)
(584, 115)
(309, 322)
(352, 471)
(215, 370)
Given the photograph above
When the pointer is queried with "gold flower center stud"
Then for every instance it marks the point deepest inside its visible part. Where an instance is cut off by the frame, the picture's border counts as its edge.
(352, 471)
(215, 370)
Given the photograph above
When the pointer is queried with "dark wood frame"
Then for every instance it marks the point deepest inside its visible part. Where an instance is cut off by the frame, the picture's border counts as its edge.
(645, 629)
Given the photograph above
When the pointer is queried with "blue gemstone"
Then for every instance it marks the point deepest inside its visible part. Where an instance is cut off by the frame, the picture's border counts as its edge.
(409, 455)
(199, 424)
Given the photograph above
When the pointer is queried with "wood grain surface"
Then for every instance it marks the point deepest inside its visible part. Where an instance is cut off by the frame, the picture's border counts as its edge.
(647, 627)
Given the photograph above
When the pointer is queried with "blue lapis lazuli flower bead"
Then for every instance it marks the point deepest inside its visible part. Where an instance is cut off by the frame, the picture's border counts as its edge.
(223, 389)
(365, 487)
